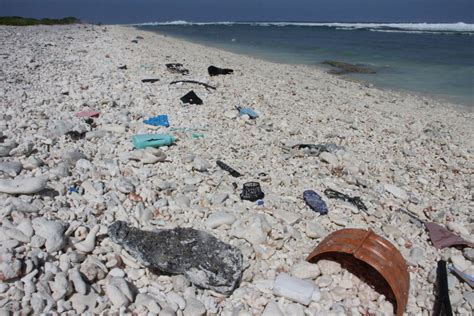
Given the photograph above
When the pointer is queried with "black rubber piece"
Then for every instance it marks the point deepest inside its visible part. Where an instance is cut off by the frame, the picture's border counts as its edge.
(229, 169)
(252, 192)
(215, 71)
(177, 68)
(442, 305)
(332, 194)
(191, 98)
(194, 81)
(150, 80)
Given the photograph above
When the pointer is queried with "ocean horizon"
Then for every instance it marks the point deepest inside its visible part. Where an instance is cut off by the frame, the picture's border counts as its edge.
(434, 59)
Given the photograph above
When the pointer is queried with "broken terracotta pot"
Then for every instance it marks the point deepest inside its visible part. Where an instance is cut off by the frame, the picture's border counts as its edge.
(361, 252)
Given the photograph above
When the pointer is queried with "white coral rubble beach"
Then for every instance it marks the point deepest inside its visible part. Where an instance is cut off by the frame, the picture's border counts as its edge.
(65, 179)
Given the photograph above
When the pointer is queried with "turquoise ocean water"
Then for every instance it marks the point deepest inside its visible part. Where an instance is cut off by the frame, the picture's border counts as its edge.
(433, 59)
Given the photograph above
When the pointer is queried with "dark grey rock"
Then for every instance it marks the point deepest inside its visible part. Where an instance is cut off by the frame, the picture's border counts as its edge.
(11, 168)
(206, 261)
(6, 148)
(24, 149)
(72, 156)
(344, 68)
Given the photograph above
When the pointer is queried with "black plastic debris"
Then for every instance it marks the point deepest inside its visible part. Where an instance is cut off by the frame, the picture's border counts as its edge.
(139, 37)
(215, 71)
(317, 149)
(229, 169)
(205, 260)
(135, 41)
(124, 67)
(74, 135)
(332, 194)
(442, 306)
(90, 121)
(415, 220)
(191, 98)
(194, 82)
(315, 202)
(150, 80)
(252, 192)
(177, 68)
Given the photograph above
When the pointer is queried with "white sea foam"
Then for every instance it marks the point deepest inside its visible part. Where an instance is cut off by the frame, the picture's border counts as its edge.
(409, 27)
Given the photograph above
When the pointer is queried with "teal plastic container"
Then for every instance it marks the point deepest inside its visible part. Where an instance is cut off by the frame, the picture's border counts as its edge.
(152, 140)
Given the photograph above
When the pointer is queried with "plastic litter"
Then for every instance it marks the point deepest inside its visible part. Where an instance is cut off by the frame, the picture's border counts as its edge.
(356, 201)
(441, 237)
(188, 129)
(469, 279)
(197, 135)
(317, 149)
(177, 68)
(191, 98)
(413, 218)
(195, 82)
(152, 140)
(72, 189)
(367, 255)
(247, 111)
(442, 306)
(124, 67)
(90, 122)
(87, 114)
(74, 135)
(315, 202)
(229, 169)
(260, 202)
(160, 120)
(252, 192)
(214, 71)
(300, 291)
(151, 80)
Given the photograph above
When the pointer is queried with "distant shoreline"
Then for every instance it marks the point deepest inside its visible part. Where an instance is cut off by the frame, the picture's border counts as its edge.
(445, 100)
(22, 21)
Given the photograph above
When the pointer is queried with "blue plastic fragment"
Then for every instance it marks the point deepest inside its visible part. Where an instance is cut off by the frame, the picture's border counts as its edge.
(72, 189)
(260, 202)
(160, 120)
(248, 111)
(466, 277)
(315, 202)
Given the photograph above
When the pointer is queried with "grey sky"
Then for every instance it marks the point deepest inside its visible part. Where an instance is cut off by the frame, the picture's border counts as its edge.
(134, 11)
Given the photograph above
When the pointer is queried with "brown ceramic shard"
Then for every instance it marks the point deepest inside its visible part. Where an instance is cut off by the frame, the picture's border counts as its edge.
(362, 252)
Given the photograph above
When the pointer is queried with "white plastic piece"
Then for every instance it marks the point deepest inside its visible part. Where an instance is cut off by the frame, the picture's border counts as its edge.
(297, 290)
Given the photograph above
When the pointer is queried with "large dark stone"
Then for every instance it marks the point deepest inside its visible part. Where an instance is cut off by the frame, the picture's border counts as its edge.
(344, 68)
(206, 261)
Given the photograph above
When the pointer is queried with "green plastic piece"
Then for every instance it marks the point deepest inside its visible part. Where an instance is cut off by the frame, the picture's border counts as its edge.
(152, 140)
(197, 135)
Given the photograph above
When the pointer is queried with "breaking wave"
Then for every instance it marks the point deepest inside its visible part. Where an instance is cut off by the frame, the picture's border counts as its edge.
(444, 28)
